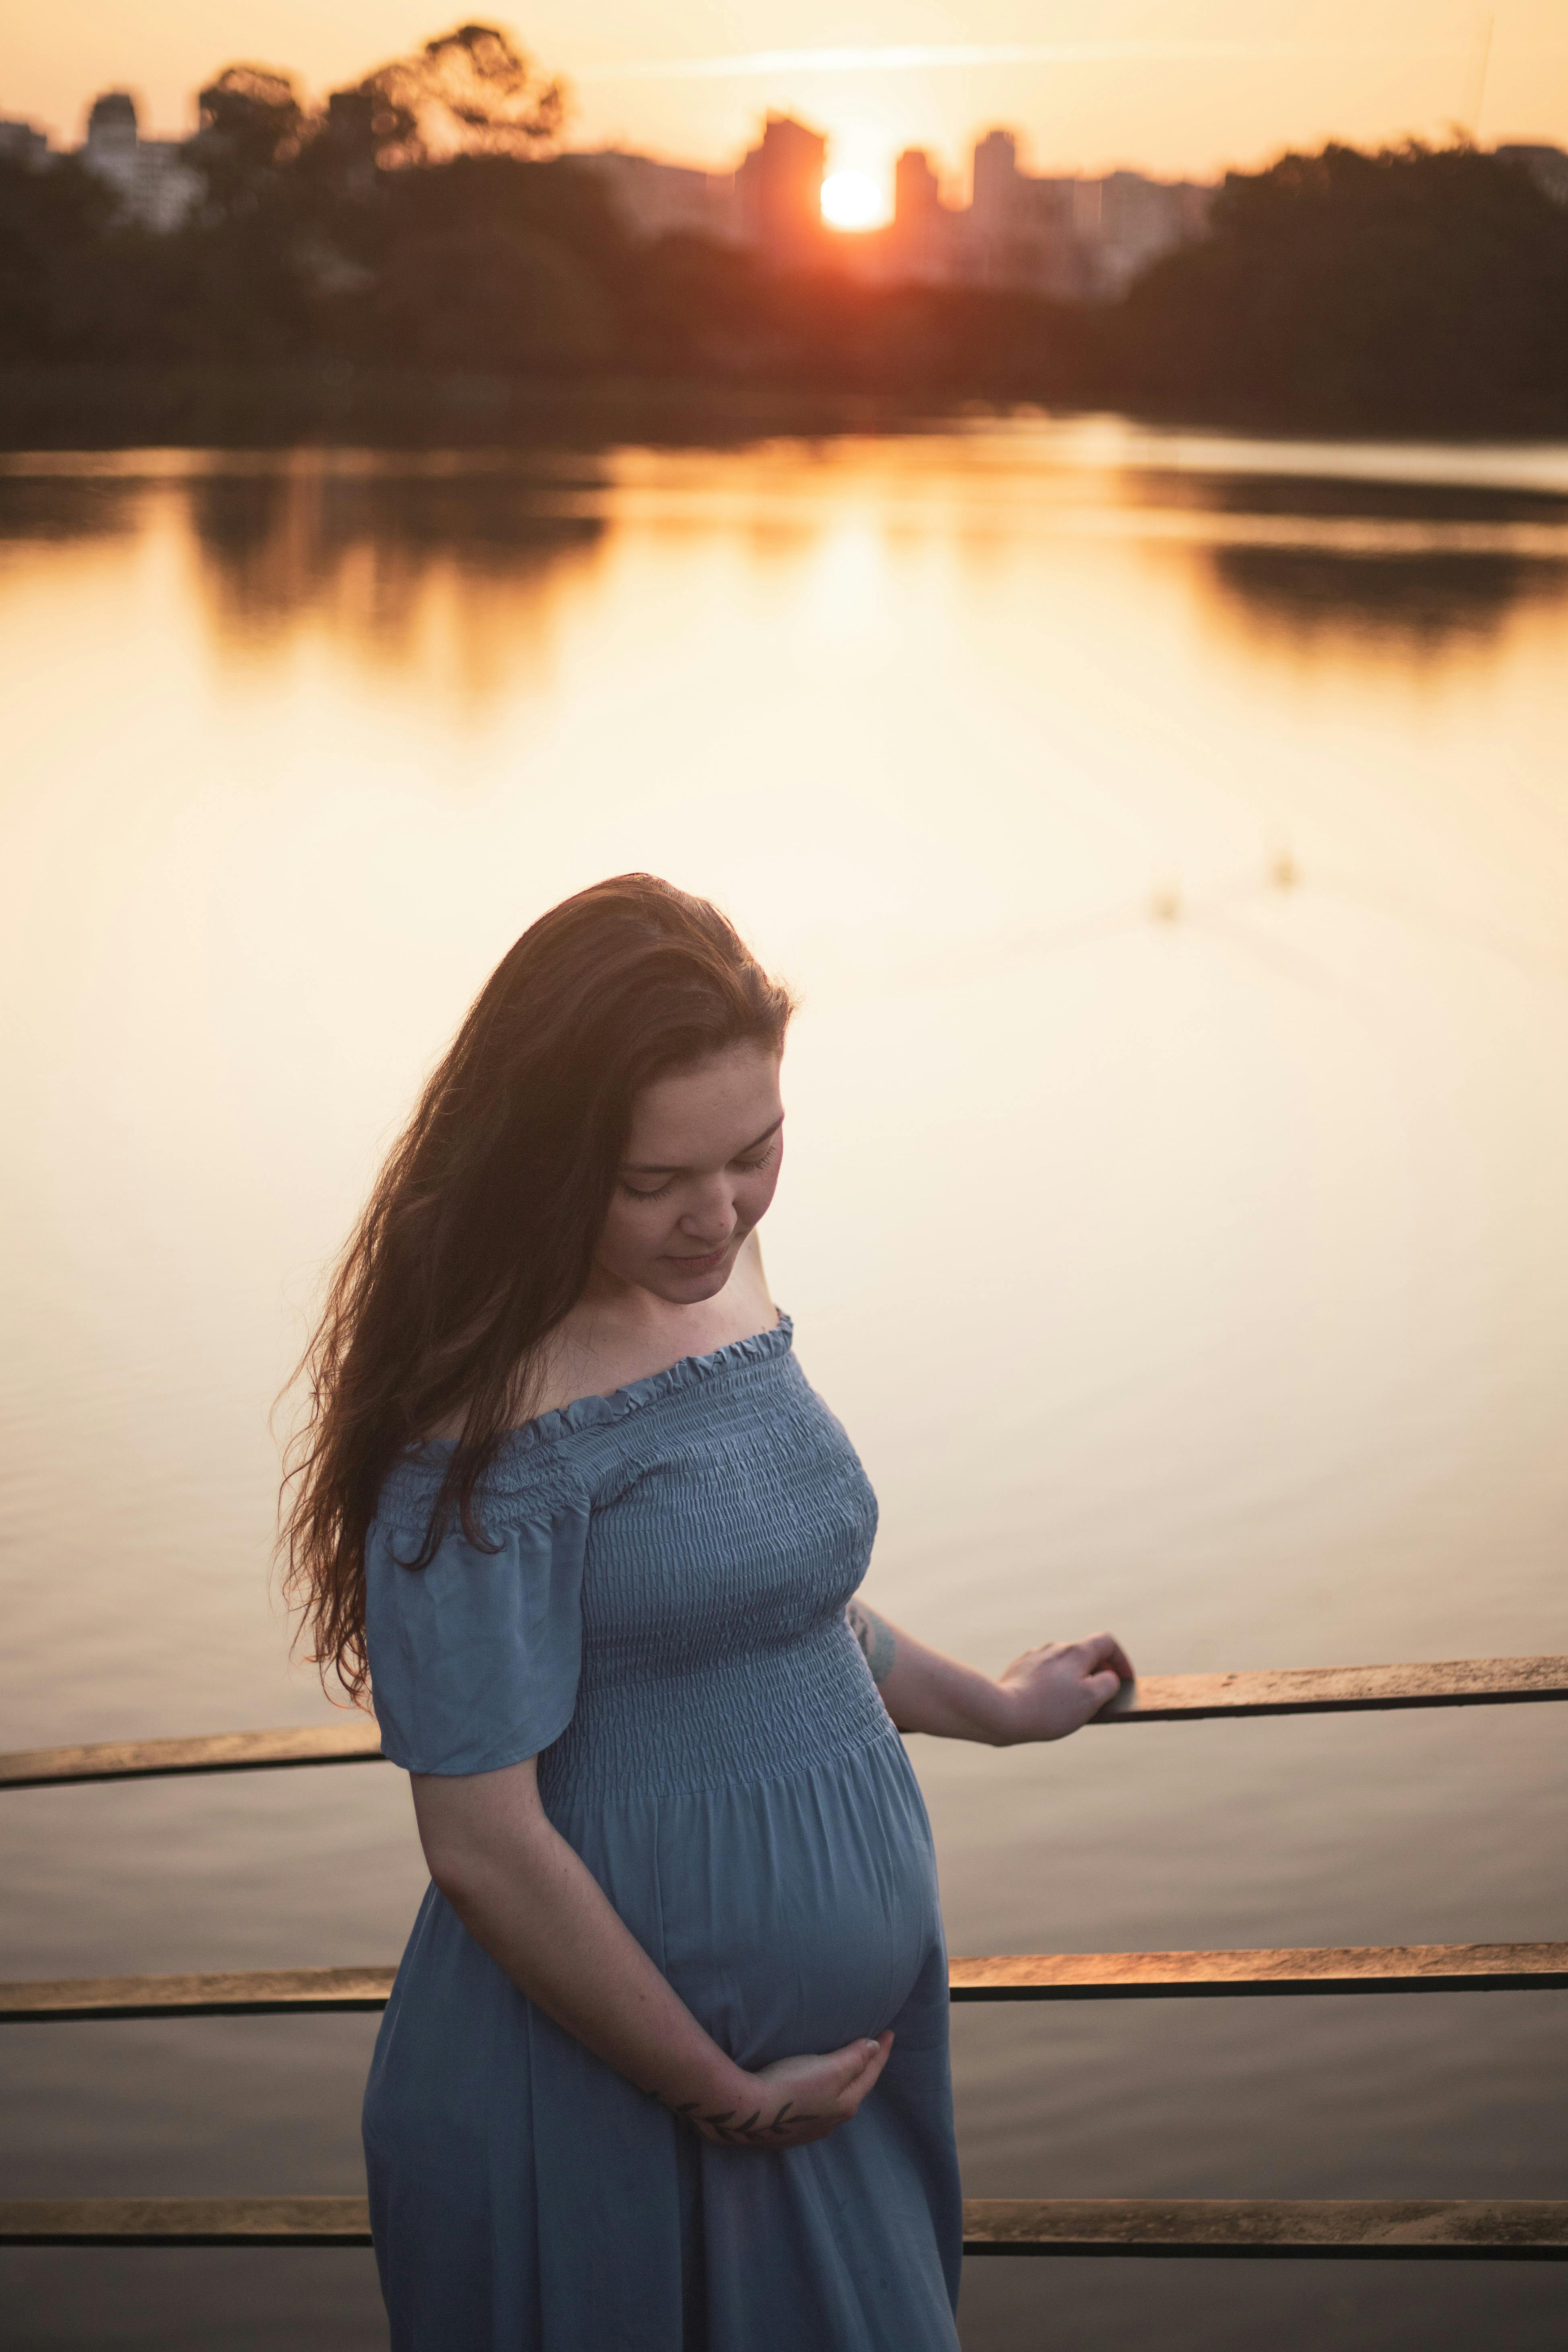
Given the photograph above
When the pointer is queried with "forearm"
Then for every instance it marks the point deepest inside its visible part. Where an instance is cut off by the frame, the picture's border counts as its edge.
(523, 1894)
(1043, 1695)
(924, 1690)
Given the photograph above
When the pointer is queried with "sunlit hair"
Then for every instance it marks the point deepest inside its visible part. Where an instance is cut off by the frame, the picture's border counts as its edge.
(480, 1233)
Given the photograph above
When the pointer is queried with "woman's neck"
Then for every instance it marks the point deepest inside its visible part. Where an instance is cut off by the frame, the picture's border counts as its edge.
(618, 1332)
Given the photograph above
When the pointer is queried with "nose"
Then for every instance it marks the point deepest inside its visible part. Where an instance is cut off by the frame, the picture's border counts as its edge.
(710, 1219)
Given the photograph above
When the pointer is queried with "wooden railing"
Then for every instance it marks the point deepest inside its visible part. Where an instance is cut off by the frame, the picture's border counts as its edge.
(1158, 1699)
(1414, 2229)
(1040, 1976)
(1529, 2230)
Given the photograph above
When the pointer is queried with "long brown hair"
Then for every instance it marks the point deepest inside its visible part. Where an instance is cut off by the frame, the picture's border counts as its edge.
(480, 1235)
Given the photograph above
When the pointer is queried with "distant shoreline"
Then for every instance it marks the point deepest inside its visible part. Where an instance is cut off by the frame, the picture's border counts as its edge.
(110, 407)
(65, 407)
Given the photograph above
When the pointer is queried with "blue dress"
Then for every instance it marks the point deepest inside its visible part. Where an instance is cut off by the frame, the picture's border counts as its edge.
(662, 1625)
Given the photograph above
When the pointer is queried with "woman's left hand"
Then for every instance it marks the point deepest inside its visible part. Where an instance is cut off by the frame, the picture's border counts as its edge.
(1043, 1695)
(1055, 1689)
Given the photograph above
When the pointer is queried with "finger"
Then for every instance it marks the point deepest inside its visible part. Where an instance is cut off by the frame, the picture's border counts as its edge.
(847, 2083)
(851, 2062)
(1103, 1650)
(1102, 1688)
(867, 2082)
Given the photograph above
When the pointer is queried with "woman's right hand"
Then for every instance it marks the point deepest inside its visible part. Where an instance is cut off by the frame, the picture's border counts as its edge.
(797, 2099)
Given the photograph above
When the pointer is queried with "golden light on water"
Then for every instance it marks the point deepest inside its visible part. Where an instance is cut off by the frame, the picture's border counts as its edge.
(1168, 835)
(852, 201)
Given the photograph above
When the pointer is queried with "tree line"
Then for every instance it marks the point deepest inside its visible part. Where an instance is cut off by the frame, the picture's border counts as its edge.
(423, 224)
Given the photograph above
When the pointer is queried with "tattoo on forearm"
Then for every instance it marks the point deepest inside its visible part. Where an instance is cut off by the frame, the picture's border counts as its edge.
(875, 1636)
(750, 2133)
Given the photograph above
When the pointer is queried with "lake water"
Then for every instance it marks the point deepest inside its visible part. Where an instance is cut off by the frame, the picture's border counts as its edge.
(1169, 838)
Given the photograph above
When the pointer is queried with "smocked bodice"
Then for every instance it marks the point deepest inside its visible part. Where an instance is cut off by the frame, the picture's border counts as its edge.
(664, 1606)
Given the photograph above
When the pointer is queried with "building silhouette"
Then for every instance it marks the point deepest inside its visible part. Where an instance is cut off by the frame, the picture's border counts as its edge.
(154, 185)
(771, 205)
(654, 199)
(778, 191)
(1019, 231)
(21, 144)
(923, 245)
(1065, 235)
(1547, 165)
(1068, 234)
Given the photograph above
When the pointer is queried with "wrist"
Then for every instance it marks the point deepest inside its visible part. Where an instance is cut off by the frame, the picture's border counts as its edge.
(711, 2088)
(998, 1715)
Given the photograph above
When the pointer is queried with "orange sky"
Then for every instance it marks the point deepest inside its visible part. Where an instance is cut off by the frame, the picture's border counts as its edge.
(1177, 86)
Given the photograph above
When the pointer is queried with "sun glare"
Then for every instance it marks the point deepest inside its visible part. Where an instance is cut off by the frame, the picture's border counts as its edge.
(851, 200)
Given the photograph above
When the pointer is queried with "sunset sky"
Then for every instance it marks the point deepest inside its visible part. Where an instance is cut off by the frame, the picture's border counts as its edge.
(1174, 86)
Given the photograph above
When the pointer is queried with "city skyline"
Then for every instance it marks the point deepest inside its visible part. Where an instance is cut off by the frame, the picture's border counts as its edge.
(1066, 237)
(1175, 91)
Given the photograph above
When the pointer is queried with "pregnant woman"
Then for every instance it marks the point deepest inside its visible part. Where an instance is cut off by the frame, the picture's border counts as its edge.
(665, 2067)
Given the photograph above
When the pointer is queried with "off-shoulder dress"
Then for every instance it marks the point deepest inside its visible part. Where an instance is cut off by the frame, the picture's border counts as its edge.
(661, 1622)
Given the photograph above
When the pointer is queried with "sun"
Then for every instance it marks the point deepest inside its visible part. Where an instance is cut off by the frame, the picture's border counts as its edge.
(851, 200)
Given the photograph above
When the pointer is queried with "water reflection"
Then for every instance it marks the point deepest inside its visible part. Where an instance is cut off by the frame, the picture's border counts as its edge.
(455, 561)
(1432, 505)
(1423, 605)
(52, 511)
(1171, 844)
(1418, 570)
(389, 560)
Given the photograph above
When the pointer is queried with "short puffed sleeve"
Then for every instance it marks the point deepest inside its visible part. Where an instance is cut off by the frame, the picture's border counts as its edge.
(474, 1659)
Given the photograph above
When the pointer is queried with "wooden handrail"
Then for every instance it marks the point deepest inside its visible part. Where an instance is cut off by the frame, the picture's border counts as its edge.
(1381, 2230)
(1156, 1698)
(1412, 2229)
(1042, 1976)
(1356, 1969)
(1338, 1690)
(260, 1992)
(184, 2221)
(355, 1740)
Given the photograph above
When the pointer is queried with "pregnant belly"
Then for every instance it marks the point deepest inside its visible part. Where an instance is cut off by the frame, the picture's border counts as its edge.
(791, 1915)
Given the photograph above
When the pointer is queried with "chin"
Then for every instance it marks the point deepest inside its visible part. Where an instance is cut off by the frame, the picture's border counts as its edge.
(691, 1289)
(698, 1288)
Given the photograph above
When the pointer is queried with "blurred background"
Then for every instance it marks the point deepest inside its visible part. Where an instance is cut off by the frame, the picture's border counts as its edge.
(1152, 782)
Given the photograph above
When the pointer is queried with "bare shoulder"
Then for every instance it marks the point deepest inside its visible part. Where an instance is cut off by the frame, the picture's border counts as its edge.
(592, 1354)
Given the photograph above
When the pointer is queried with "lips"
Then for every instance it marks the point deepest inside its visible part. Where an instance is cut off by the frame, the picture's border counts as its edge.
(700, 1265)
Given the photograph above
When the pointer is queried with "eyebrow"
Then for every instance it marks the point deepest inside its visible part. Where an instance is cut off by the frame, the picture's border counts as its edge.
(662, 1168)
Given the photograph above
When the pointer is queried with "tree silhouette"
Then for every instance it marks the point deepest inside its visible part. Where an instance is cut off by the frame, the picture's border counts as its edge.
(468, 93)
(252, 125)
(1397, 289)
(419, 224)
(54, 225)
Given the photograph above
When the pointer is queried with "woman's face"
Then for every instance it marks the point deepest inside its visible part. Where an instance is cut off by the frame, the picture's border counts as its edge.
(702, 1162)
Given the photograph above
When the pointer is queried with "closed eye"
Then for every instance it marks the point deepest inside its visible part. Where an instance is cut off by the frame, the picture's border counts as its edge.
(658, 1192)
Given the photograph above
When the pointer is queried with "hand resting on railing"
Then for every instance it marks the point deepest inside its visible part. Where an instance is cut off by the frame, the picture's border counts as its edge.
(1043, 1695)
